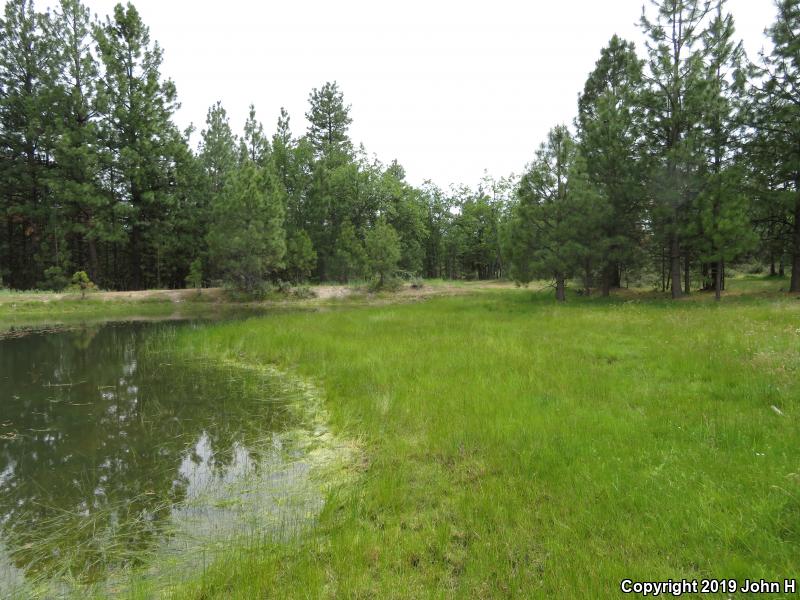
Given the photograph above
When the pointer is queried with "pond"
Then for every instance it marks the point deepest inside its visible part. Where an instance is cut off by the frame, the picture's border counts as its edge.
(114, 450)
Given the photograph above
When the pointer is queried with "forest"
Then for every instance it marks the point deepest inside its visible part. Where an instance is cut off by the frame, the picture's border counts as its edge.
(683, 159)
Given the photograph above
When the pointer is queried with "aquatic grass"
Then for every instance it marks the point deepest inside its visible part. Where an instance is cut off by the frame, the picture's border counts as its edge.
(511, 447)
(264, 488)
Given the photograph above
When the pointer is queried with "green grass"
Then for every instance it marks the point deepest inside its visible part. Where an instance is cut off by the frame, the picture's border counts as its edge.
(34, 313)
(21, 309)
(511, 447)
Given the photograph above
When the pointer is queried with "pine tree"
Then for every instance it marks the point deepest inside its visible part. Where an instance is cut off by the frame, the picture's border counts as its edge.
(254, 144)
(136, 109)
(350, 258)
(406, 212)
(673, 105)
(282, 144)
(553, 228)
(382, 245)
(329, 119)
(722, 207)
(610, 127)
(31, 240)
(217, 148)
(76, 180)
(300, 256)
(778, 123)
(247, 241)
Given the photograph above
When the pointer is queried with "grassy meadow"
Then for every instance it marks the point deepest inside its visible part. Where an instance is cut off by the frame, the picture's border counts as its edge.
(512, 447)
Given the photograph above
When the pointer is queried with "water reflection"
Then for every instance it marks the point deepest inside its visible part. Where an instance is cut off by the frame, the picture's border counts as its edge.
(101, 439)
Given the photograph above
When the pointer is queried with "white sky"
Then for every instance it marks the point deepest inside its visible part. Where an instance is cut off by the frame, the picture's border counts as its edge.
(449, 88)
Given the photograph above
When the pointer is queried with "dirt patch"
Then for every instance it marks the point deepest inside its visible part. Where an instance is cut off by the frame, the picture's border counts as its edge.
(327, 292)
(322, 293)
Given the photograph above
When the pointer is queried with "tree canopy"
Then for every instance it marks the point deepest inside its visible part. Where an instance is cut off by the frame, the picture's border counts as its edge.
(682, 160)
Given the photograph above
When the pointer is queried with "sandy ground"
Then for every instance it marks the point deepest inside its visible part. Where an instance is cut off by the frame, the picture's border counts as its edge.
(323, 292)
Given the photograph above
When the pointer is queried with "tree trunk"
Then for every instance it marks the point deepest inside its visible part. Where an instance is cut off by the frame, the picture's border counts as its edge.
(718, 280)
(587, 278)
(11, 258)
(794, 286)
(772, 271)
(612, 278)
(687, 274)
(561, 293)
(135, 259)
(93, 263)
(675, 266)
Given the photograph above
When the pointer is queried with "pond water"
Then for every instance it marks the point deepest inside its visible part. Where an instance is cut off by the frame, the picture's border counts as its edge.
(114, 451)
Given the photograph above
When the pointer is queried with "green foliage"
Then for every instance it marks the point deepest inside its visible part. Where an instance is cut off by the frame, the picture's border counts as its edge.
(382, 245)
(54, 279)
(246, 238)
(776, 147)
(254, 146)
(674, 105)
(136, 108)
(685, 163)
(217, 148)
(329, 119)
(350, 257)
(195, 277)
(553, 234)
(300, 256)
(80, 282)
(610, 127)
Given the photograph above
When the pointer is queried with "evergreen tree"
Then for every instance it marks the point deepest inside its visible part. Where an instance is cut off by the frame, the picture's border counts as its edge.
(217, 148)
(282, 145)
(406, 212)
(247, 241)
(31, 237)
(778, 124)
(437, 220)
(552, 223)
(673, 104)
(350, 258)
(300, 256)
(254, 145)
(610, 126)
(183, 241)
(76, 181)
(329, 119)
(382, 245)
(723, 208)
(136, 110)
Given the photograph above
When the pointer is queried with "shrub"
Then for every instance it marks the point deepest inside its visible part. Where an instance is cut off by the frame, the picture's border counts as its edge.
(54, 279)
(303, 292)
(195, 277)
(386, 284)
(81, 281)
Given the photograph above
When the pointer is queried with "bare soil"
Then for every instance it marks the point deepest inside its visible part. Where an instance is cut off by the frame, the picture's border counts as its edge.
(322, 292)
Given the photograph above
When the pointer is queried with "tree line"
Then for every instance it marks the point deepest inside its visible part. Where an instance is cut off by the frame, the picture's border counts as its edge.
(681, 161)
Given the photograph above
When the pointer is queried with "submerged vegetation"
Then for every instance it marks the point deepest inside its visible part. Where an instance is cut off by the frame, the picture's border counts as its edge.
(131, 463)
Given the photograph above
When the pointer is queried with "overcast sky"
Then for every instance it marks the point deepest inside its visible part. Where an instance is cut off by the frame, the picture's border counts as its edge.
(449, 88)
